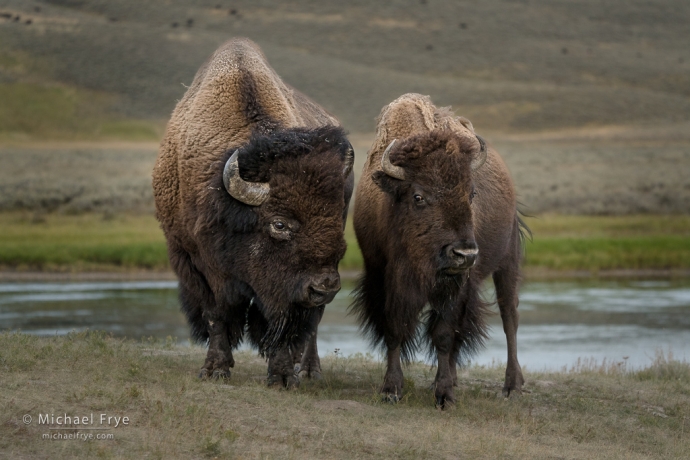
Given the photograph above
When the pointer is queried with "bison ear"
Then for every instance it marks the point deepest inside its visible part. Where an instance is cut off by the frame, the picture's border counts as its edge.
(387, 183)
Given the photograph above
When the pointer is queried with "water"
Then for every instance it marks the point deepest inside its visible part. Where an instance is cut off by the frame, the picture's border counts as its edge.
(620, 321)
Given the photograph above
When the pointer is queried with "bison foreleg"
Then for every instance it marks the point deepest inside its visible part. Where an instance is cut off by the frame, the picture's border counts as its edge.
(310, 365)
(393, 381)
(281, 369)
(219, 358)
(442, 338)
(506, 282)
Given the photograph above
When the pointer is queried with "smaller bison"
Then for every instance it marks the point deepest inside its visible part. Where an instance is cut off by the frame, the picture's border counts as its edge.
(252, 186)
(435, 214)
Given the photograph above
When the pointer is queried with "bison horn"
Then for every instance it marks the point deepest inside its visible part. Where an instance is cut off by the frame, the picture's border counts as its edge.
(481, 158)
(349, 160)
(251, 193)
(389, 168)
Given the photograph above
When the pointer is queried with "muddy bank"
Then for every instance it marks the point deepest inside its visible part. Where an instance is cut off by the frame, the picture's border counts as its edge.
(529, 274)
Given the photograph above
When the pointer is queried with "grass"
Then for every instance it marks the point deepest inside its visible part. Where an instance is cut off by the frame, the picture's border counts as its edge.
(589, 411)
(609, 242)
(81, 243)
(103, 242)
(32, 111)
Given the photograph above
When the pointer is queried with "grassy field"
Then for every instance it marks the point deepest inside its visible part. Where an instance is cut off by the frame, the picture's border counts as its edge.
(81, 243)
(590, 411)
(609, 242)
(91, 242)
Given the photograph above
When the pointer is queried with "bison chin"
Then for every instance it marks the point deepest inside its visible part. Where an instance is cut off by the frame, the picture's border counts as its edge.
(308, 291)
(291, 320)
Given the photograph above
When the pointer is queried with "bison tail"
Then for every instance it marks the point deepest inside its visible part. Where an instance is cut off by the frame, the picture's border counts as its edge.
(523, 229)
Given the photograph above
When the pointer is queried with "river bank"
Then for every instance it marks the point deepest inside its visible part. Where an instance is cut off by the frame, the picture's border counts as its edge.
(529, 274)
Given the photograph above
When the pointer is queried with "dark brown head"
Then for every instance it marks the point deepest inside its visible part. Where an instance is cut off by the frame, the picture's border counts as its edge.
(285, 196)
(428, 181)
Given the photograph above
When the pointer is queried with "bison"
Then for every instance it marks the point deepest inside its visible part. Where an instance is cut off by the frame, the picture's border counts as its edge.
(252, 185)
(435, 214)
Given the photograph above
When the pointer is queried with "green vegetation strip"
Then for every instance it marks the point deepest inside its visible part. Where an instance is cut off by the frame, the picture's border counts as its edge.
(96, 242)
(589, 411)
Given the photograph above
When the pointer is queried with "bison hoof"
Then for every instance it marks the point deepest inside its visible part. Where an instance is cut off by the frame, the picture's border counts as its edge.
(314, 375)
(215, 374)
(445, 402)
(284, 381)
(511, 392)
(390, 398)
(513, 383)
(445, 396)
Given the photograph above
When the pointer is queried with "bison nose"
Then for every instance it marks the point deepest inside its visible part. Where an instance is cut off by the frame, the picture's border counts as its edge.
(463, 253)
(323, 289)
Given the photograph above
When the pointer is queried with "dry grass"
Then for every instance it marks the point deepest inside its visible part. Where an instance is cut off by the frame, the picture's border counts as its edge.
(590, 412)
(75, 178)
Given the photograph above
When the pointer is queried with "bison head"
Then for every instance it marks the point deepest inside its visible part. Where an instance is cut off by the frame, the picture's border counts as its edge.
(428, 181)
(284, 216)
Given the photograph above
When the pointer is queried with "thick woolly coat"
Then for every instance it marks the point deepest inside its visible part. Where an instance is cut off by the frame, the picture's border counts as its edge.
(399, 280)
(215, 243)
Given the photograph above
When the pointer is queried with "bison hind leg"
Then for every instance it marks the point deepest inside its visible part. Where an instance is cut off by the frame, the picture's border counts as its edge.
(506, 283)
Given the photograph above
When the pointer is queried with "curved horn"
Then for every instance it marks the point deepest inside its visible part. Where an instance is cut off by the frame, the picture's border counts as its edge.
(251, 193)
(389, 168)
(349, 160)
(481, 158)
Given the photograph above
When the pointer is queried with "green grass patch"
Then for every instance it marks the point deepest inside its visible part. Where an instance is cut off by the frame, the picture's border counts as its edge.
(609, 242)
(31, 111)
(84, 242)
(353, 256)
(97, 242)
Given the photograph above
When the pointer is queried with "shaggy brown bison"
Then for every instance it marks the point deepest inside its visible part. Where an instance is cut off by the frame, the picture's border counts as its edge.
(435, 214)
(252, 185)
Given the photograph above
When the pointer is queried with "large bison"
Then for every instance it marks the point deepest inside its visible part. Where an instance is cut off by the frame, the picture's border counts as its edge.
(252, 186)
(435, 214)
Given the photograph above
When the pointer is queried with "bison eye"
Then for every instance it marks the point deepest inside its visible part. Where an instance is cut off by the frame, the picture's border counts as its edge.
(419, 199)
(280, 230)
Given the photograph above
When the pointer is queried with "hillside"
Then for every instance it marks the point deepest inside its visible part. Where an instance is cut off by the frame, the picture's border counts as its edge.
(510, 66)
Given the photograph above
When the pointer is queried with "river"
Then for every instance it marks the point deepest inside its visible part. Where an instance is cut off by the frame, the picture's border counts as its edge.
(622, 321)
